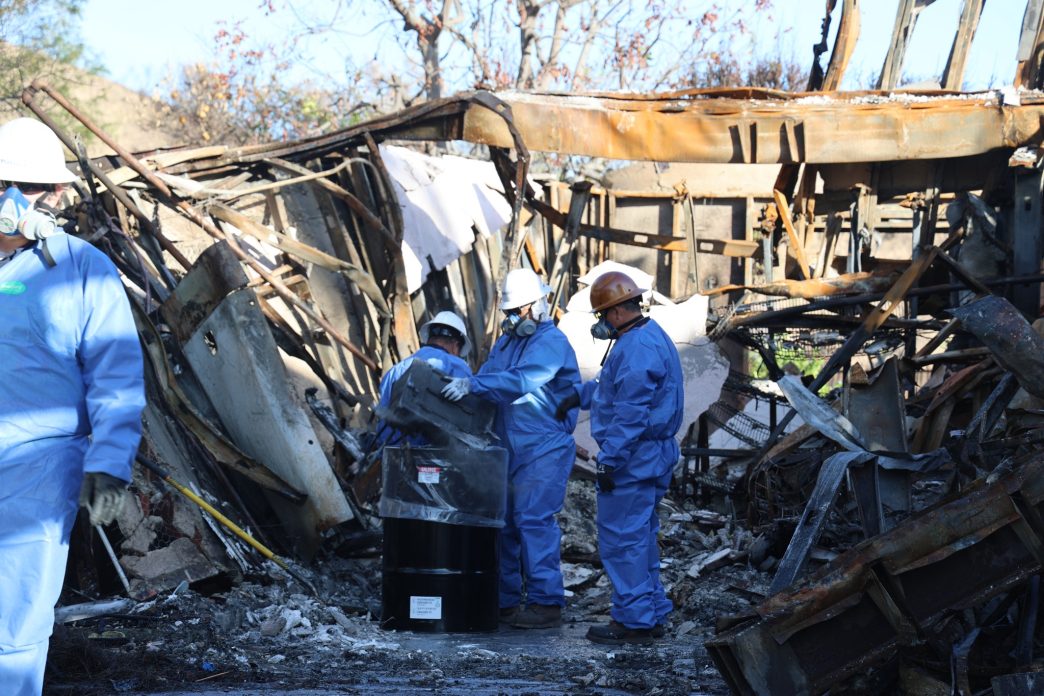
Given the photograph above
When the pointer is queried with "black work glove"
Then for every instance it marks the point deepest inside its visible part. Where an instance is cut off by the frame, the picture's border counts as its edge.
(566, 405)
(102, 495)
(605, 478)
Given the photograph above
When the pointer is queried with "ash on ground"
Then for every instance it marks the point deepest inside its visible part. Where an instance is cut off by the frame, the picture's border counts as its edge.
(268, 631)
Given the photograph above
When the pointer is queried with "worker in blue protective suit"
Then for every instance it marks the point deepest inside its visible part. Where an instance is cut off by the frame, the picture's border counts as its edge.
(445, 345)
(70, 398)
(636, 409)
(530, 369)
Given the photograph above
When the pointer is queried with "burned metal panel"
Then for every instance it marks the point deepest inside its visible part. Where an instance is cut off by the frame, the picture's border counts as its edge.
(237, 360)
(876, 410)
(854, 612)
(232, 351)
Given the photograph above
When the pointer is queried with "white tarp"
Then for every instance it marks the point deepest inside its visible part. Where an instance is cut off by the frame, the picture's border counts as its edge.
(444, 201)
(704, 366)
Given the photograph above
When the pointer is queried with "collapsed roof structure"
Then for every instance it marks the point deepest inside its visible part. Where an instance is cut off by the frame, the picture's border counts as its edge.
(888, 209)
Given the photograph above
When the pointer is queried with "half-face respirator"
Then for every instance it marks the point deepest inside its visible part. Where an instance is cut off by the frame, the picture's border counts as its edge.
(602, 330)
(515, 325)
(18, 216)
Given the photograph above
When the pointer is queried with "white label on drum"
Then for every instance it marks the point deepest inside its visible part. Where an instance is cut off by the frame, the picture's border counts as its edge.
(428, 474)
(425, 607)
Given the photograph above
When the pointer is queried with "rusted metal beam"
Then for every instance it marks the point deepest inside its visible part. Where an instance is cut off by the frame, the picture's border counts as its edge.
(117, 191)
(207, 226)
(740, 248)
(362, 280)
(581, 194)
(716, 126)
(848, 284)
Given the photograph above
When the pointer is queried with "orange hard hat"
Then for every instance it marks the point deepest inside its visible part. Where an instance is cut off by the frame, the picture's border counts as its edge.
(612, 288)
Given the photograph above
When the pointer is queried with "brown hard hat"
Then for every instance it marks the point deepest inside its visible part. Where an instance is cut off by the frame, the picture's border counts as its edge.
(612, 288)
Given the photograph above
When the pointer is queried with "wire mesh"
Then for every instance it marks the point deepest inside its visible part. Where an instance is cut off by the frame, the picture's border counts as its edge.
(738, 424)
(803, 345)
(745, 385)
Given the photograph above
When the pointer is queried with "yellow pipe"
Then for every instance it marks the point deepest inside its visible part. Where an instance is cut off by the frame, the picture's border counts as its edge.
(242, 534)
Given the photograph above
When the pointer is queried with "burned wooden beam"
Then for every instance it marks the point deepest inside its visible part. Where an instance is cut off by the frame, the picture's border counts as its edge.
(953, 74)
(1009, 337)
(846, 284)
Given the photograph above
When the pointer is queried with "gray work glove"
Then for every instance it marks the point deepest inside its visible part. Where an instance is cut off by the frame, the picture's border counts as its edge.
(102, 495)
(457, 389)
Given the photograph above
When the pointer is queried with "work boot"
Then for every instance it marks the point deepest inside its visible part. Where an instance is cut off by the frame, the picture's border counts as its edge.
(659, 630)
(538, 616)
(617, 634)
(508, 614)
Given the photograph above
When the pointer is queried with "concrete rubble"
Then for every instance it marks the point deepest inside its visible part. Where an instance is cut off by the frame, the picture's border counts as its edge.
(857, 508)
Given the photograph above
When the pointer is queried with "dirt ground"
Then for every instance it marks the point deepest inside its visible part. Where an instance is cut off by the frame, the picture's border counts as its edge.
(268, 634)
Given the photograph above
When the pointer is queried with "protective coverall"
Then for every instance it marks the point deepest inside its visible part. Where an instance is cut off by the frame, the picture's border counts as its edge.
(636, 409)
(70, 402)
(527, 378)
(438, 358)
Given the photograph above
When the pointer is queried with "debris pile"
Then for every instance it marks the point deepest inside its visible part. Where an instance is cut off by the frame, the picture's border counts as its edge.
(857, 508)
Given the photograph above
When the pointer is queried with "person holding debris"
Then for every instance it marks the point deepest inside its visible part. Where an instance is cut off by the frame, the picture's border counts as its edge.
(70, 400)
(636, 407)
(445, 344)
(530, 369)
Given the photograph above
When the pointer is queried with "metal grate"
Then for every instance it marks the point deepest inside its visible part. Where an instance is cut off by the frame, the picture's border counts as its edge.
(738, 424)
(740, 383)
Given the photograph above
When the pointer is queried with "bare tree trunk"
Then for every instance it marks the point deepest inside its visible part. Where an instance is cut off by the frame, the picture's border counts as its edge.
(428, 33)
(527, 28)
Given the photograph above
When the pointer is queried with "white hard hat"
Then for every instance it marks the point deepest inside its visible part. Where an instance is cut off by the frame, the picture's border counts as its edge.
(521, 287)
(454, 322)
(30, 152)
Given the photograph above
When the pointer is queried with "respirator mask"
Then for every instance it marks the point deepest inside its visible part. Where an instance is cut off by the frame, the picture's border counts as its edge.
(515, 325)
(602, 330)
(18, 216)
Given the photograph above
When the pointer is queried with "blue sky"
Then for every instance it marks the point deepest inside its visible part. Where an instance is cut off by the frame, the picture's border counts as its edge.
(140, 43)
